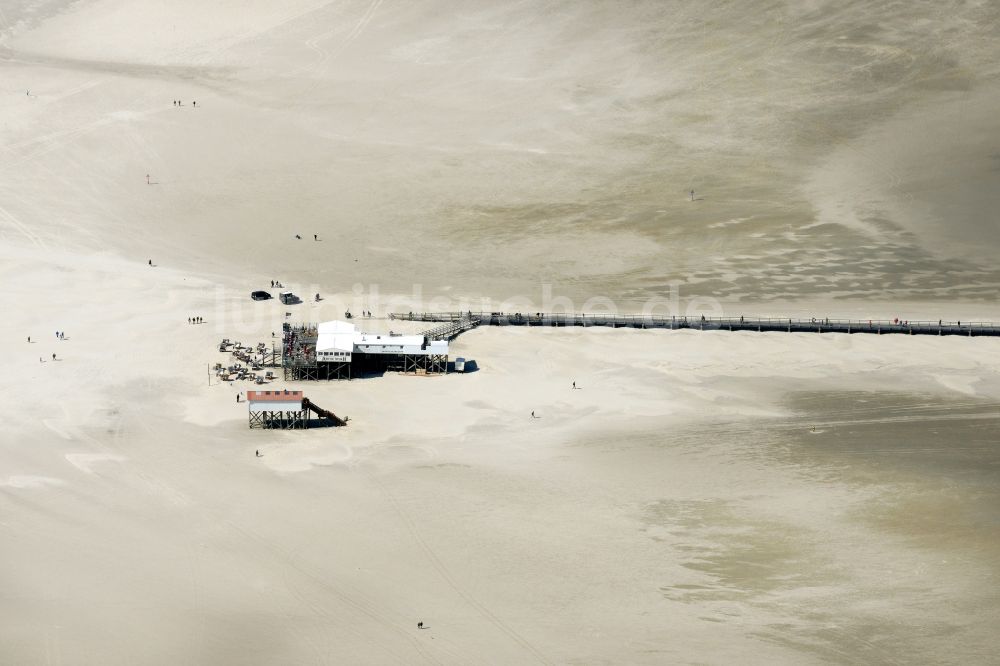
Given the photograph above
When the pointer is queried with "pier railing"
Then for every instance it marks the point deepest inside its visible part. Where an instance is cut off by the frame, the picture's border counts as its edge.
(454, 323)
(454, 326)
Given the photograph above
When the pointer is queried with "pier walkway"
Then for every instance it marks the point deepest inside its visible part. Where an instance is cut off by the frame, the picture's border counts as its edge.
(455, 323)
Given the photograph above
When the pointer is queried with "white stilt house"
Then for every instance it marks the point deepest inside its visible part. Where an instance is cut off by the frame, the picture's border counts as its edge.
(276, 409)
(285, 409)
(337, 350)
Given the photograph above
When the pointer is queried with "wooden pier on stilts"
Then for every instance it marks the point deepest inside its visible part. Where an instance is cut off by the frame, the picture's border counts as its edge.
(454, 323)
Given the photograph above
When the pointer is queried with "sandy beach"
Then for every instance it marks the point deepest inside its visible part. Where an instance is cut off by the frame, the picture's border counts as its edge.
(699, 498)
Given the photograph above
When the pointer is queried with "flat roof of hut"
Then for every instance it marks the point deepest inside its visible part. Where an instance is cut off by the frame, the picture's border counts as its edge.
(274, 401)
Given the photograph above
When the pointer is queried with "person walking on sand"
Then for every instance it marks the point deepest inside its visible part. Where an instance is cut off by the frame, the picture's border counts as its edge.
(193, 103)
(53, 356)
(574, 386)
(257, 453)
(692, 195)
(315, 237)
(533, 414)
(29, 339)
(420, 625)
(150, 262)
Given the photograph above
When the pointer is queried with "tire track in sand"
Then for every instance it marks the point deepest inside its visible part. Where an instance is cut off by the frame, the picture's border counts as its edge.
(361, 606)
(354, 33)
(22, 228)
(445, 574)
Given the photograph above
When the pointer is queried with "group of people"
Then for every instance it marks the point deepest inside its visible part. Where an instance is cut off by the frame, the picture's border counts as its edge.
(178, 102)
(195, 320)
(60, 335)
(275, 283)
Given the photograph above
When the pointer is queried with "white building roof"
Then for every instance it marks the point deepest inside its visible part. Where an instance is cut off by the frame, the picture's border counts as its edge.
(335, 336)
(344, 337)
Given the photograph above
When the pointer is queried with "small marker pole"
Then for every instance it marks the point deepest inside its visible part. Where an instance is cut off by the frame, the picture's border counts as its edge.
(147, 179)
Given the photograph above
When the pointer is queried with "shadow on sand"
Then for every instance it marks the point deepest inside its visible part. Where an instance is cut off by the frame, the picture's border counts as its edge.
(320, 423)
(470, 366)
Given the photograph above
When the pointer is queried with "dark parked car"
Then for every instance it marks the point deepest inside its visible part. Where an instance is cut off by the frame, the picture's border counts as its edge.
(260, 295)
